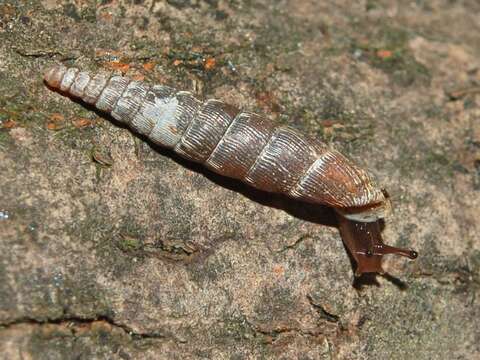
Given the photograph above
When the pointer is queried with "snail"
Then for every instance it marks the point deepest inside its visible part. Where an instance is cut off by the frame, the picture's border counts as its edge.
(248, 147)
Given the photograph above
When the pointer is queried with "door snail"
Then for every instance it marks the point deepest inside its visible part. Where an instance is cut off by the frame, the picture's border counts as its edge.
(248, 147)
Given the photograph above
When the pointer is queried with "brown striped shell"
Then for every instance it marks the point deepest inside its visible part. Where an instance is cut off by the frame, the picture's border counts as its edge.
(233, 143)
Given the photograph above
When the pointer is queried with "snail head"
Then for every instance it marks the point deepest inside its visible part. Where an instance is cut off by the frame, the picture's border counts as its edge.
(365, 244)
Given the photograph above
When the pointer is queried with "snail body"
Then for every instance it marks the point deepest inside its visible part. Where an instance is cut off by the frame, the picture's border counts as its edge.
(244, 146)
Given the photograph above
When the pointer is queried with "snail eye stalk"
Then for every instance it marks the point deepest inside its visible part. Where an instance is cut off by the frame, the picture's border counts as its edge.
(364, 242)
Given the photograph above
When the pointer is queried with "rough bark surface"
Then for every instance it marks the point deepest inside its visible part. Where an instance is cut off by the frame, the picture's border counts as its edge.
(111, 248)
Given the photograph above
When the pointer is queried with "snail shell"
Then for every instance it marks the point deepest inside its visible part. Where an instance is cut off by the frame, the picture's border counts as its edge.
(234, 143)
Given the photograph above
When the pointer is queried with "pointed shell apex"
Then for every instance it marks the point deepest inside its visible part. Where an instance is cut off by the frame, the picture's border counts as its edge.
(53, 76)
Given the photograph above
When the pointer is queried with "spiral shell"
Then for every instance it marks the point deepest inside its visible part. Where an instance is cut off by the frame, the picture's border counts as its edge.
(233, 143)
(248, 147)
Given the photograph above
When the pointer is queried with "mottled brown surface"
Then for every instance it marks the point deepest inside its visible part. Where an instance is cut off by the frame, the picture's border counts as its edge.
(112, 249)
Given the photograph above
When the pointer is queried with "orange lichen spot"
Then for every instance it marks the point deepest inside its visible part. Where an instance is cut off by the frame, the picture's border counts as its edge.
(278, 270)
(267, 100)
(57, 117)
(138, 77)
(107, 52)
(9, 124)
(102, 157)
(81, 123)
(55, 122)
(209, 63)
(149, 66)
(328, 123)
(106, 16)
(333, 127)
(54, 126)
(384, 54)
(177, 62)
(117, 65)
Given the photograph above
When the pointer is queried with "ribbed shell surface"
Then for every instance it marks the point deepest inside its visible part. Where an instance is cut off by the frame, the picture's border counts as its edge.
(236, 144)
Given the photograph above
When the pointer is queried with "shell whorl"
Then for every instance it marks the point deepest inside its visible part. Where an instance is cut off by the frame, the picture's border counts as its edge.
(233, 143)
